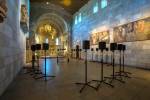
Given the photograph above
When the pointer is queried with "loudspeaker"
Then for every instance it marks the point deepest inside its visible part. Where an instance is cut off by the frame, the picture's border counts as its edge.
(38, 46)
(106, 49)
(102, 45)
(96, 49)
(120, 47)
(33, 47)
(92, 49)
(113, 46)
(123, 47)
(86, 44)
(45, 46)
(77, 47)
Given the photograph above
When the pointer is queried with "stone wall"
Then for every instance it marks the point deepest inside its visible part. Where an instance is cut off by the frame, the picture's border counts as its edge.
(12, 43)
(118, 12)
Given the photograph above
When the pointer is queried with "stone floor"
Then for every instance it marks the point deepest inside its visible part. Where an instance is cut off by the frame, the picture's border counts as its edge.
(24, 87)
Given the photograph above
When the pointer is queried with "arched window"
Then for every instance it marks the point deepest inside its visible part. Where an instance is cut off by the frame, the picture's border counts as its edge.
(76, 20)
(80, 17)
(46, 41)
(95, 8)
(57, 41)
(104, 3)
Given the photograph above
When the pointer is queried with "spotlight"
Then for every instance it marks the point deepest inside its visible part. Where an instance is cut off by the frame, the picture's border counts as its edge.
(47, 3)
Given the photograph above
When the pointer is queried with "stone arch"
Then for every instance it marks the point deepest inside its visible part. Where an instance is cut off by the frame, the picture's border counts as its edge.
(57, 21)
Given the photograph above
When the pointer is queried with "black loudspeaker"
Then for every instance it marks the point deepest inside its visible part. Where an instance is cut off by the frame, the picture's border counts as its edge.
(120, 47)
(77, 47)
(106, 49)
(86, 44)
(38, 46)
(33, 47)
(92, 49)
(113, 46)
(45, 46)
(102, 45)
(123, 47)
(96, 49)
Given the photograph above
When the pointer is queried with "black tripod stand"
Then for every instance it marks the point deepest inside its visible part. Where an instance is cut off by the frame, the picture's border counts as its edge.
(125, 73)
(86, 45)
(107, 57)
(92, 50)
(113, 47)
(86, 83)
(119, 47)
(57, 56)
(45, 76)
(102, 46)
(97, 56)
(32, 70)
(37, 70)
(80, 50)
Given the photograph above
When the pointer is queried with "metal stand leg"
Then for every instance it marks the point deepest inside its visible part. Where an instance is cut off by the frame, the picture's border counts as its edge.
(86, 83)
(119, 74)
(113, 77)
(102, 81)
(45, 76)
(32, 70)
(124, 73)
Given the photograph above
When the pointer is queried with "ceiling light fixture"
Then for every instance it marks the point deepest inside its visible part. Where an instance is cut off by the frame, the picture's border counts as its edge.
(47, 3)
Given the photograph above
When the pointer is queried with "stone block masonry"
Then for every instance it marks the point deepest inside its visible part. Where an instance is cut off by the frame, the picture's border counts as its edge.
(12, 45)
(117, 12)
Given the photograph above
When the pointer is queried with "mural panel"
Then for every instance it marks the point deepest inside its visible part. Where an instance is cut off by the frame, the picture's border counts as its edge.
(98, 37)
(134, 31)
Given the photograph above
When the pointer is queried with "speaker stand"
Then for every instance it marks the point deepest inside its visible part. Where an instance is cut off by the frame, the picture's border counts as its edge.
(57, 59)
(97, 56)
(102, 81)
(80, 55)
(125, 73)
(37, 71)
(120, 65)
(45, 76)
(113, 77)
(107, 58)
(86, 83)
(31, 71)
(92, 55)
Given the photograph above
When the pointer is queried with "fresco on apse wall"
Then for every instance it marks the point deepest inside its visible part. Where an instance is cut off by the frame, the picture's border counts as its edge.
(24, 14)
(3, 10)
(24, 18)
(134, 31)
(98, 37)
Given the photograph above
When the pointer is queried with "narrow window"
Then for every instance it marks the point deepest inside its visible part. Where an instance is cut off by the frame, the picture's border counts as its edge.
(76, 20)
(104, 3)
(80, 17)
(95, 8)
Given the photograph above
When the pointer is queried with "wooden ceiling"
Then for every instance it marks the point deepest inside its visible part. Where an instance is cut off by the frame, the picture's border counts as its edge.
(70, 6)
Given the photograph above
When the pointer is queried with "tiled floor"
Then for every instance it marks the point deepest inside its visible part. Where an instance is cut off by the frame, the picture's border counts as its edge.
(62, 87)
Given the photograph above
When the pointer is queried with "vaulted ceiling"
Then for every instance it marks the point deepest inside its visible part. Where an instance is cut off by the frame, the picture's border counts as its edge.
(70, 6)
